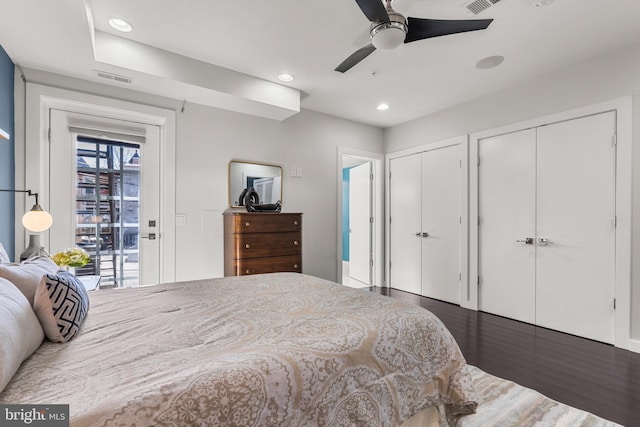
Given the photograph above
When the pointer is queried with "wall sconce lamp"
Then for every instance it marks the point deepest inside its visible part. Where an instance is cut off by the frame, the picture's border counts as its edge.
(36, 220)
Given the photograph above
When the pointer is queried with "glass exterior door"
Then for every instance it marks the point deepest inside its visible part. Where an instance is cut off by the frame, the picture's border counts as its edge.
(107, 205)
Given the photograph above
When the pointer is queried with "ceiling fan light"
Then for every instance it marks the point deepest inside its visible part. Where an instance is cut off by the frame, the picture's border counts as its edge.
(387, 37)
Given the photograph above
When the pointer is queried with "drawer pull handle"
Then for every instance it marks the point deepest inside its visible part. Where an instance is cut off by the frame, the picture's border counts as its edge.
(247, 223)
(295, 222)
(295, 243)
(247, 246)
(247, 271)
(295, 265)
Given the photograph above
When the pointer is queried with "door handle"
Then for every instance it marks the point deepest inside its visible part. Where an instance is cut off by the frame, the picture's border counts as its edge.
(424, 234)
(150, 236)
(544, 242)
(526, 241)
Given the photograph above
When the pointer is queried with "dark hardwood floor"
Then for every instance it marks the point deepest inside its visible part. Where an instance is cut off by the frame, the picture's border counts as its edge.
(586, 374)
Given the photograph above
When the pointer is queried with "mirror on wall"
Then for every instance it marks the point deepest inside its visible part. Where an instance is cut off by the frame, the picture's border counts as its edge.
(265, 179)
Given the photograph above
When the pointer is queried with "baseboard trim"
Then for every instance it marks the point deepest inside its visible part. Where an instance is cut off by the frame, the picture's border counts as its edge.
(634, 345)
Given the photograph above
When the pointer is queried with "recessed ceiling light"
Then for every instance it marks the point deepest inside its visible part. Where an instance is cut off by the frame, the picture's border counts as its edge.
(489, 62)
(383, 107)
(285, 77)
(120, 25)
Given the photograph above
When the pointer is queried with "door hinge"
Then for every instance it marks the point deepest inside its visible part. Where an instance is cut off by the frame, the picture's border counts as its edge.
(615, 221)
(459, 276)
(460, 163)
(371, 262)
(389, 175)
(614, 139)
(49, 135)
(460, 219)
(478, 280)
(371, 220)
(371, 177)
(478, 160)
(614, 303)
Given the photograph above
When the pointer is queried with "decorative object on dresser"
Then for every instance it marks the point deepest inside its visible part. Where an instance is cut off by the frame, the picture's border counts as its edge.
(262, 242)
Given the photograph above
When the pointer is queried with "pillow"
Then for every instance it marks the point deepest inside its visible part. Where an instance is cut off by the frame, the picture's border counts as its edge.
(61, 304)
(20, 334)
(4, 256)
(27, 275)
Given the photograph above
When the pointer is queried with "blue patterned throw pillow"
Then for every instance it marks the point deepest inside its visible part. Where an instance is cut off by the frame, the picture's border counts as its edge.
(61, 303)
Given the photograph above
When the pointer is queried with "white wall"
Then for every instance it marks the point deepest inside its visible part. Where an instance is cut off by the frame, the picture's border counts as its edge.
(608, 77)
(208, 138)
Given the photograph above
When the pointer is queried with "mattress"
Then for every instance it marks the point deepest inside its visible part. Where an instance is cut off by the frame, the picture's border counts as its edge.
(281, 349)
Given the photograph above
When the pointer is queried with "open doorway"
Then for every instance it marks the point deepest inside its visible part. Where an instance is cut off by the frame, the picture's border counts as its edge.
(359, 208)
(357, 255)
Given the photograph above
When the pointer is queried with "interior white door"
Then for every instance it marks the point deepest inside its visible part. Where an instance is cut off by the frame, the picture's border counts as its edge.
(405, 215)
(575, 212)
(360, 223)
(62, 181)
(441, 224)
(507, 209)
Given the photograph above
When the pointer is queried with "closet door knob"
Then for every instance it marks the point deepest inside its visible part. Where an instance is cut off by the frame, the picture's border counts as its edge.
(544, 242)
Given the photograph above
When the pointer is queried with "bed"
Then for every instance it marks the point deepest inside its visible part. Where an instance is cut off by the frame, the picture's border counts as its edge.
(281, 349)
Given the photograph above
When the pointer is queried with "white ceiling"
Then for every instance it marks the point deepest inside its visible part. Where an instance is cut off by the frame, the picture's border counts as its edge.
(261, 39)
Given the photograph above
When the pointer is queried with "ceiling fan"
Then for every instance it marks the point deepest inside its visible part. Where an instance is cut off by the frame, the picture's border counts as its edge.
(389, 29)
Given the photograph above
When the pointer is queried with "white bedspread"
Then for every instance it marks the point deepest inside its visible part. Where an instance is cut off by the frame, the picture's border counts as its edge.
(281, 349)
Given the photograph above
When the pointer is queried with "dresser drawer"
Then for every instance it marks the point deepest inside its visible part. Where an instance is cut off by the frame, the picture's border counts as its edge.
(266, 222)
(257, 245)
(245, 267)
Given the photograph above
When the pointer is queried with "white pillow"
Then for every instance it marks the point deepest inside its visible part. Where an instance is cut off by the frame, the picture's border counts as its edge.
(20, 334)
(61, 305)
(27, 275)
(4, 256)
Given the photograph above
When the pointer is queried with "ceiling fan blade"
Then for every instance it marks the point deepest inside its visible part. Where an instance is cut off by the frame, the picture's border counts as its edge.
(374, 10)
(426, 28)
(355, 57)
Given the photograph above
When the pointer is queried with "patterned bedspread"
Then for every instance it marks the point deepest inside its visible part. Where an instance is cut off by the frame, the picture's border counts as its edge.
(281, 349)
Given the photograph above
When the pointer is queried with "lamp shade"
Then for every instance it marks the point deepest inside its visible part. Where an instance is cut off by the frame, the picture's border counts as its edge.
(37, 219)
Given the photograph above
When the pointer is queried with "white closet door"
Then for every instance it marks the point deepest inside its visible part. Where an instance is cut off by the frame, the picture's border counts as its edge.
(359, 223)
(576, 210)
(405, 243)
(506, 205)
(441, 224)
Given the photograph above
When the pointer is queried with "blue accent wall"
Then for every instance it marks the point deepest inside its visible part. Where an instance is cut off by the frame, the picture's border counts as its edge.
(345, 214)
(7, 158)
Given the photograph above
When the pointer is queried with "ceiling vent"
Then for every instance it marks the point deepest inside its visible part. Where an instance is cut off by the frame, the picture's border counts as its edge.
(477, 6)
(112, 77)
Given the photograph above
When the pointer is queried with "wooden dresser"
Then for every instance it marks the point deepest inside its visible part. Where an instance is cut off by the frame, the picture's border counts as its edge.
(262, 242)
